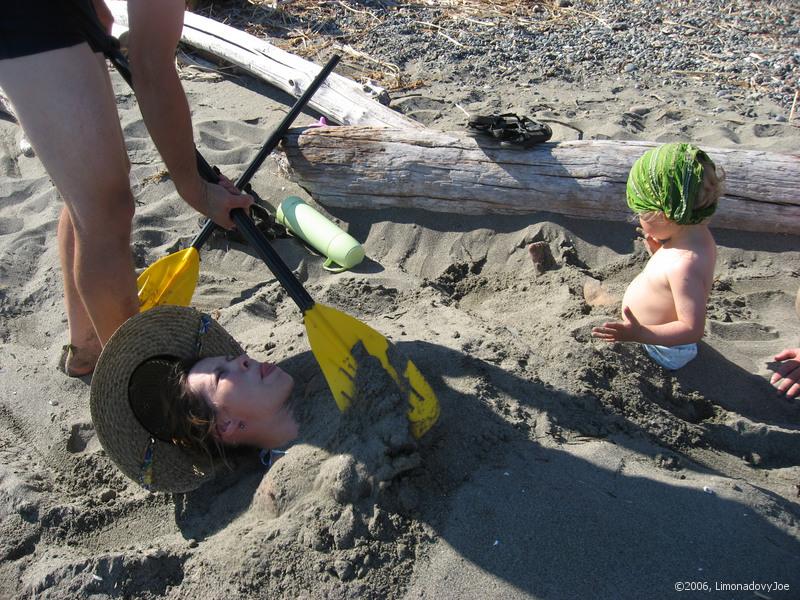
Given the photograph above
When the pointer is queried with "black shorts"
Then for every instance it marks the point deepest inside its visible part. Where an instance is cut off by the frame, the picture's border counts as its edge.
(34, 26)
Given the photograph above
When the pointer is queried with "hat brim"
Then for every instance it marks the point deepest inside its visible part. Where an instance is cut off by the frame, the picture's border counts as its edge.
(171, 331)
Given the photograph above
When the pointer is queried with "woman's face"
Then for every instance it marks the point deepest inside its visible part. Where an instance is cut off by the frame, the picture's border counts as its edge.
(249, 398)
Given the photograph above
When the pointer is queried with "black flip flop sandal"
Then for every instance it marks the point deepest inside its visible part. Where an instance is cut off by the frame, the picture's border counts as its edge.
(511, 129)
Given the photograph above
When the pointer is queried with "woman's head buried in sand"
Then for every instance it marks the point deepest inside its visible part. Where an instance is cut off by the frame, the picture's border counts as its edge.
(173, 390)
(234, 400)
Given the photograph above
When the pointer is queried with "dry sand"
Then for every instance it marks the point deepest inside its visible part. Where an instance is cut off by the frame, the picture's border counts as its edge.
(561, 467)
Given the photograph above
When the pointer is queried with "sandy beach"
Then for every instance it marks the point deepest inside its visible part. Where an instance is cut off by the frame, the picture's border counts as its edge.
(561, 467)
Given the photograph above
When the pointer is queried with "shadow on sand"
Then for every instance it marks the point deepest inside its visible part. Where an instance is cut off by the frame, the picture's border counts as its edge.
(516, 514)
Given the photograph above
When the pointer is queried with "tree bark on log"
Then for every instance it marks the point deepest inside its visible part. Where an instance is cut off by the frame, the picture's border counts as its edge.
(340, 99)
(365, 167)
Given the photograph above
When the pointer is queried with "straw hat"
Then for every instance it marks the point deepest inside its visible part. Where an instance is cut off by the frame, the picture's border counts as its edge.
(129, 388)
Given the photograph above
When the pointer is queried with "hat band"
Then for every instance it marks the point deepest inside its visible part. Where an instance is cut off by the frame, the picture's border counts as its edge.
(205, 325)
(146, 468)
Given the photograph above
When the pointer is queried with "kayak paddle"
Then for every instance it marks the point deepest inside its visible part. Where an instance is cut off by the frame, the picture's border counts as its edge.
(173, 278)
(331, 333)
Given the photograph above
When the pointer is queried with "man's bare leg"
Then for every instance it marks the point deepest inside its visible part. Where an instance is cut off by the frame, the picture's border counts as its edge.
(84, 345)
(69, 114)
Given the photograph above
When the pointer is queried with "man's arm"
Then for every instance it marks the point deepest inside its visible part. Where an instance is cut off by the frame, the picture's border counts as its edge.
(103, 15)
(155, 30)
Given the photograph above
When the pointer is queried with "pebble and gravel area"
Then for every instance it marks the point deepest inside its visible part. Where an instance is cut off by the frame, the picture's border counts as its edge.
(743, 48)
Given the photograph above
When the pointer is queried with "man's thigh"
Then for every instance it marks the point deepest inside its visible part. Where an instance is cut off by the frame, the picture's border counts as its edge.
(66, 105)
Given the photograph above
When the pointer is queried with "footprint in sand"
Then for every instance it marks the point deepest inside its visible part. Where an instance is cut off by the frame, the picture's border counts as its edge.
(11, 225)
(797, 303)
(135, 130)
(148, 234)
(595, 293)
(79, 437)
(243, 133)
(761, 130)
(742, 331)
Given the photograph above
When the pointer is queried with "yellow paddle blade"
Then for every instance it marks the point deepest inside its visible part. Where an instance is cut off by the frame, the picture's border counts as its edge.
(332, 335)
(424, 406)
(169, 280)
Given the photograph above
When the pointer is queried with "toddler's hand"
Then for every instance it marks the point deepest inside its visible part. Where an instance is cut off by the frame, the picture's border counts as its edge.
(619, 331)
(651, 244)
(786, 378)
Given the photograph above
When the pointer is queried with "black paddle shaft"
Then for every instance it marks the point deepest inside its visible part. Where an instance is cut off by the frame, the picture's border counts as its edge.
(206, 171)
(282, 273)
(210, 175)
(244, 223)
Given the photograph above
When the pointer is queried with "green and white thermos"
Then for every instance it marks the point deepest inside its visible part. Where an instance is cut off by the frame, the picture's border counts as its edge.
(341, 249)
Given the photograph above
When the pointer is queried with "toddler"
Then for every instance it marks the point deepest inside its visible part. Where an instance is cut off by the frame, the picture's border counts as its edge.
(673, 190)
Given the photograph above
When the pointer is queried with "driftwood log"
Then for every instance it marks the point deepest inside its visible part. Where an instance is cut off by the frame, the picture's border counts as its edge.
(365, 167)
(340, 99)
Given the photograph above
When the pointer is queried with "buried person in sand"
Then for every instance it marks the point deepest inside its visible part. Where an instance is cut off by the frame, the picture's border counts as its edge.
(172, 390)
(673, 189)
(68, 112)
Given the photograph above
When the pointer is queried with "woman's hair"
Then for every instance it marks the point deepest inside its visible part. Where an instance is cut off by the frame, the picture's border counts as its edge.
(191, 419)
(711, 189)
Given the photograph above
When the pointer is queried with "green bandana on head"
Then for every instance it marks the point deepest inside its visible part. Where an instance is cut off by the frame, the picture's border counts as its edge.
(668, 179)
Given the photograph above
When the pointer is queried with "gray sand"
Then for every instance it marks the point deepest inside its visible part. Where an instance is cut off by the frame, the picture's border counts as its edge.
(561, 467)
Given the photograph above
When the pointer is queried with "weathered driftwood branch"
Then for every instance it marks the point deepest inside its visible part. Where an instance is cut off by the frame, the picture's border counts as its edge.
(340, 99)
(364, 167)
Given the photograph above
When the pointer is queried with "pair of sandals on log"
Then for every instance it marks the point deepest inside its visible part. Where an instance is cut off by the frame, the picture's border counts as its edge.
(511, 129)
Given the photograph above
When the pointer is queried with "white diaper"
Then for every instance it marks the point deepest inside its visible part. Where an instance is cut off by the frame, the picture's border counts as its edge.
(671, 357)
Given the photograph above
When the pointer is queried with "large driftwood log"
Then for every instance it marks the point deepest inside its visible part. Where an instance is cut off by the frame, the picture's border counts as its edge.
(340, 99)
(364, 167)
